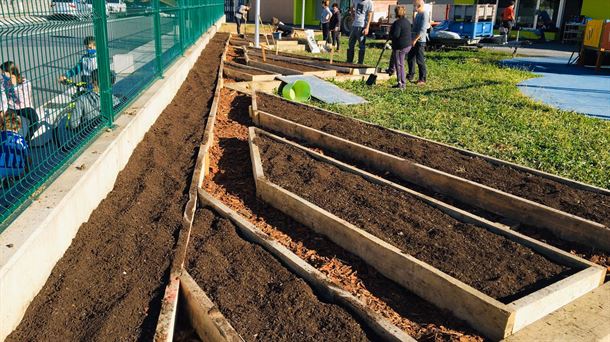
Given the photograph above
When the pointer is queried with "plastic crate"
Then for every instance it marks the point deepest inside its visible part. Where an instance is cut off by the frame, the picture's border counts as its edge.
(472, 30)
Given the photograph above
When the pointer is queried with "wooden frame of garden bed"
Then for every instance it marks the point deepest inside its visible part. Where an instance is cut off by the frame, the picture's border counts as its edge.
(204, 310)
(320, 283)
(365, 70)
(566, 226)
(320, 72)
(232, 70)
(486, 314)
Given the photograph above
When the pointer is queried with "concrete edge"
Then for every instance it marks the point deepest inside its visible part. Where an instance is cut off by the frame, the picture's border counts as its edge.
(39, 237)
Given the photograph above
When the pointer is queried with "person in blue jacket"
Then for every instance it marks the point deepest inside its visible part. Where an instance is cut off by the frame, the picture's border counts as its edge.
(14, 151)
(86, 64)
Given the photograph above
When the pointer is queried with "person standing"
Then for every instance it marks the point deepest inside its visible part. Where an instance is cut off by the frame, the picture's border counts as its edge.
(416, 54)
(335, 26)
(508, 20)
(544, 23)
(325, 21)
(241, 16)
(363, 15)
(400, 34)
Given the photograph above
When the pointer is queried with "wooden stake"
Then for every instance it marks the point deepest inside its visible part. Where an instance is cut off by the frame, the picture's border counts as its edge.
(264, 57)
(332, 54)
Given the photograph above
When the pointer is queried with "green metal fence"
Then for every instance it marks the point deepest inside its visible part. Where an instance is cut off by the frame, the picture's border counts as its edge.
(68, 69)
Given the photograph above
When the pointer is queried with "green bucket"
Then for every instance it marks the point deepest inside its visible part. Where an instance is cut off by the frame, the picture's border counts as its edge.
(299, 91)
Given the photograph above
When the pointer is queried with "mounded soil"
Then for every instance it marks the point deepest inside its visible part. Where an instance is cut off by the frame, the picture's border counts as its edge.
(324, 61)
(109, 284)
(243, 69)
(293, 66)
(261, 299)
(491, 263)
(590, 205)
(231, 181)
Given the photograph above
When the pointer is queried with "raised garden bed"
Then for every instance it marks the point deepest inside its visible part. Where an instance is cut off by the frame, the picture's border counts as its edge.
(230, 181)
(287, 68)
(109, 283)
(243, 72)
(351, 68)
(503, 188)
(421, 243)
(259, 297)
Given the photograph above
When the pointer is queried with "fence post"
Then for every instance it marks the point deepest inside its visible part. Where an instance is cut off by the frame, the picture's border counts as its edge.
(100, 27)
(157, 33)
(182, 25)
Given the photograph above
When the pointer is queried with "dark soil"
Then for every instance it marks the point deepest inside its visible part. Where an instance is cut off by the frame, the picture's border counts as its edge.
(248, 70)
(297, 67)
(324, 61)
(491, 263)
(590, 205)
(109, 284)
(262, 300)
(231, 181)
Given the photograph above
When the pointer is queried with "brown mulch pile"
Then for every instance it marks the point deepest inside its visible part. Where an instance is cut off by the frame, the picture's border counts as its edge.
(230, 180)
(109, 284)
(261, 299)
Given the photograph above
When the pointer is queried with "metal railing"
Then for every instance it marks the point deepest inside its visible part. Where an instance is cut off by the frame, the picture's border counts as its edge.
(68, 68)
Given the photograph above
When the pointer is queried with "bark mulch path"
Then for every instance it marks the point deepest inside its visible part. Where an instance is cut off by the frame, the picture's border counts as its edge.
(262, 300)
(489, 262)
(109, 284)
(231, 181)
(590, 205)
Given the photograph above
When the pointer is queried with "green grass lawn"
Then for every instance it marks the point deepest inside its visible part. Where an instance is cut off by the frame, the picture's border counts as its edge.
(472, 102)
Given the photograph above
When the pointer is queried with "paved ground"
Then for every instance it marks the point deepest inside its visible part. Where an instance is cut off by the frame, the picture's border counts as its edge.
(567, 87)
(550, 49)
(46, 49)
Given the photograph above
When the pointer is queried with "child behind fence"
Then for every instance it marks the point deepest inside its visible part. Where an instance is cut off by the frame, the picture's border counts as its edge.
(14, 153)
(86, 65)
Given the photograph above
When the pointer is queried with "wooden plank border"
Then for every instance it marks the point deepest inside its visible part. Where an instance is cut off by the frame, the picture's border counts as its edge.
(322, 285)
(566, 226)
(204, 316)
(169, 306)
(493, 318)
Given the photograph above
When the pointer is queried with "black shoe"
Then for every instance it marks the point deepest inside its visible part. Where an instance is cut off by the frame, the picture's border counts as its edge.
(388, 71)
(397, 86)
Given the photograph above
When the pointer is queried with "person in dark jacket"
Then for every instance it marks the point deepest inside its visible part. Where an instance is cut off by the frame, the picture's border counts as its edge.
(400, 34)
(335, 26)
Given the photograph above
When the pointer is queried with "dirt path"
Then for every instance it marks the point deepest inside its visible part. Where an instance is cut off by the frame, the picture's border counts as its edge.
(109, 283)
(491, 263)
(262, 300)
(590, 205)
(231, 181)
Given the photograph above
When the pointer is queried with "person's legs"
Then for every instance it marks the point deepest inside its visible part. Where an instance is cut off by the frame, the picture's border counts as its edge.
(411, 62)
(335, 37)
(362, 48)
(354, 36)
(421, 62)
(399, 62)
(238, 23)
(325, 32)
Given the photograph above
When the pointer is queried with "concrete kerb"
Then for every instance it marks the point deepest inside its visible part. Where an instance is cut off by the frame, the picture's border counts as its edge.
(37, 239)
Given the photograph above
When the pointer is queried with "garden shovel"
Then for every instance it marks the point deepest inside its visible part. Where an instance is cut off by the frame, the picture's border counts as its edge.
(373, 77)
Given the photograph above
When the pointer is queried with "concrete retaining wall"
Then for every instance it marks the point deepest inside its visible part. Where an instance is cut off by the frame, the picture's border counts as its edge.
(38, 238)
